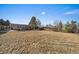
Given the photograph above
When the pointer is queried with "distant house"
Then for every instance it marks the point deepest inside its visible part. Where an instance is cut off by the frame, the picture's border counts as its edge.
(18, 27)
(3, 27)
(50, 27)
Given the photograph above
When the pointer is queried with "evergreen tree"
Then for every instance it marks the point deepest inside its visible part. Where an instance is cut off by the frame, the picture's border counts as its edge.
(33, 23)
(67, 27)
(71, 27)
(2, 22)
(60, 25)
(7, 22)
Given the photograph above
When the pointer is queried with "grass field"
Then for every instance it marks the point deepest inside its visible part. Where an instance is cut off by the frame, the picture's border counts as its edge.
(37, 42)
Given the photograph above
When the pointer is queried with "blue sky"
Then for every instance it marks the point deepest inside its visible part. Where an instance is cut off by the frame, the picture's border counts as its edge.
(46, 13)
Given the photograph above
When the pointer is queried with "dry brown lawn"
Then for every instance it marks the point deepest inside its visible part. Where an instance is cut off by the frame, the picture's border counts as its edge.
(38, 42)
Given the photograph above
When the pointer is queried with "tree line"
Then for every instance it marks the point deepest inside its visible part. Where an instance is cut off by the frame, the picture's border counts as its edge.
(69, 27)
(5, 23)
(35, 24)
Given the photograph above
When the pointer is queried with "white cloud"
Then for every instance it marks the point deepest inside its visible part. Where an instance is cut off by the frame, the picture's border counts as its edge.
(72, 12)
(43, 13)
